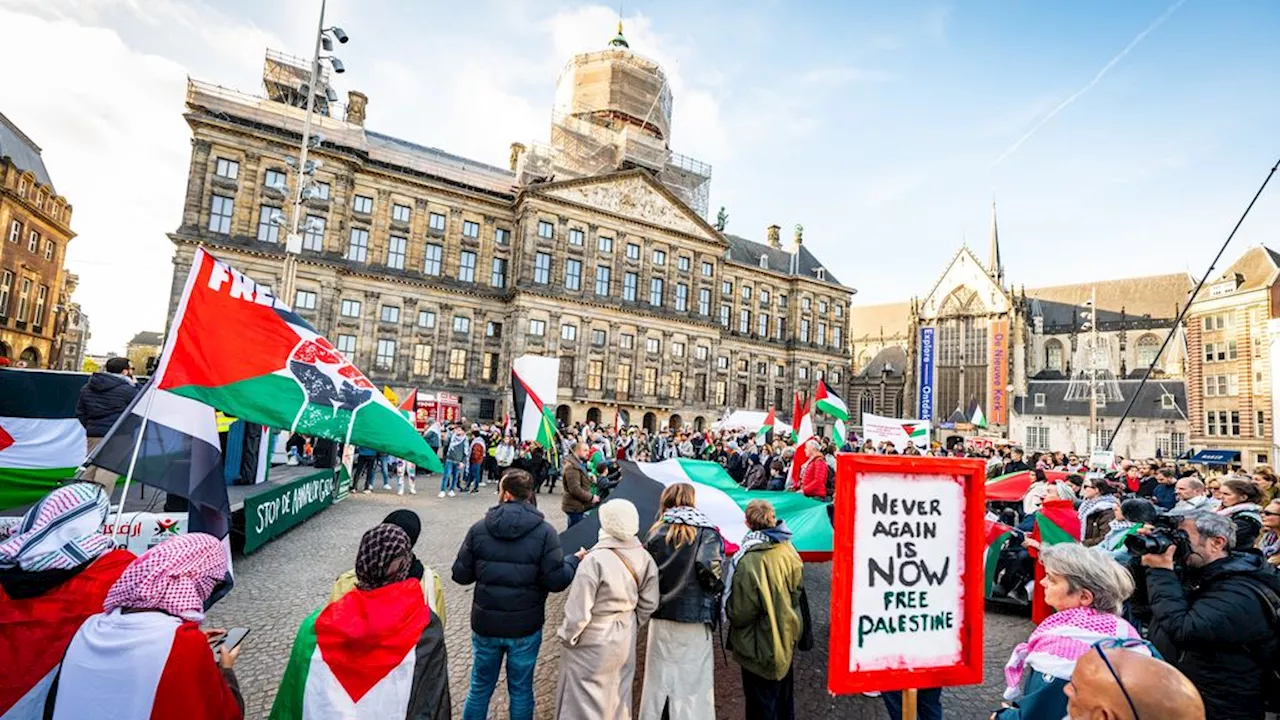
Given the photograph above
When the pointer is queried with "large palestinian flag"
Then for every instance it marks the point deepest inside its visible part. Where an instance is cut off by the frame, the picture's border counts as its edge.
(719, 497)
(372, 654)
(41, 441)
(234, 346)
(1012, 487)
(533, 390)
(831, 404)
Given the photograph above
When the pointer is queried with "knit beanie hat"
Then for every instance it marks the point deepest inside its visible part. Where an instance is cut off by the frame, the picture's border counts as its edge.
(619, 519)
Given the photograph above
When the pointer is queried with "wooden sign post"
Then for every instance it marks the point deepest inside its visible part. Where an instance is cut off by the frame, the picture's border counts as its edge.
(907, 575)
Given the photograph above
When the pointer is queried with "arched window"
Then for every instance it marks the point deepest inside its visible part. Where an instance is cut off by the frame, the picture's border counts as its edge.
(866, 404)
(864, 359)
(1053, 355)
(1148, 346)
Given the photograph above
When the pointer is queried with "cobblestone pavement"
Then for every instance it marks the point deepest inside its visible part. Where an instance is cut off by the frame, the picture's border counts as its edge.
(277, 587)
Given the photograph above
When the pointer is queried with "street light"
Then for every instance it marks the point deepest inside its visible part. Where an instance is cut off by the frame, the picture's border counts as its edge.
(306, 168)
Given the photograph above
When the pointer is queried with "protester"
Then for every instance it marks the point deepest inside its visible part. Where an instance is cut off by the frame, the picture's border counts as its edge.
(577, 498)
(1130, 516)
(1016, 463)
(679, 664)
(1097, 511)
(366, 459)
(1269, 540)
(1215, 629)
(406, 470)
(505, 454)
(1193, 495)
(475, 467)
(1165, 494)
(614, 591)
(513, 557)
(102, 400)
(377, 651)
(455, 464)
(1265, 480)
(144, 655)
(1116, 683)
(1240, 503)
(55, 571)
(814, 473)
(1086, 591)
(764, 583)
(432, 586)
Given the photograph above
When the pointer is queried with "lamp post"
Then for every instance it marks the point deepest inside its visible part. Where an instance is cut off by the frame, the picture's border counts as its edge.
(293, 243)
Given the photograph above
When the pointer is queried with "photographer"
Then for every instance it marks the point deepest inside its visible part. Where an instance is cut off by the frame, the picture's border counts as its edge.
(1216, 629)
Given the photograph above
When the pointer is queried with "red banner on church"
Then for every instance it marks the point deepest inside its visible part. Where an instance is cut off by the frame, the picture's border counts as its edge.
(998, 362)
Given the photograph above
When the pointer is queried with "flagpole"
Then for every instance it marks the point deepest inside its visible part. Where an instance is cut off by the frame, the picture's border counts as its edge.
(133, 459)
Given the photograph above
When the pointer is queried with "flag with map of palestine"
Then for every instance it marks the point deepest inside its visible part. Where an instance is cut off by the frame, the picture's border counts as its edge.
(234, 346)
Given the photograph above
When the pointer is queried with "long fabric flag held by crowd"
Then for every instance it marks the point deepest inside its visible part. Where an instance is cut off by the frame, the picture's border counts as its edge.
(534, 381)
(719, 498)
(234, 346)
(42, 444)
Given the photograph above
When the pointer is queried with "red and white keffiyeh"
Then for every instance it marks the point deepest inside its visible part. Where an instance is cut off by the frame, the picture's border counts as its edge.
(1058, 642)
(175, 577)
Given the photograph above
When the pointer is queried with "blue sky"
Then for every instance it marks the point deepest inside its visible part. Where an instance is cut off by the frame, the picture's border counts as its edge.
(876, 125)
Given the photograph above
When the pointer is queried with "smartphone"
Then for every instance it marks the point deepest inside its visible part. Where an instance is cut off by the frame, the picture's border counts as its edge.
(230, 640)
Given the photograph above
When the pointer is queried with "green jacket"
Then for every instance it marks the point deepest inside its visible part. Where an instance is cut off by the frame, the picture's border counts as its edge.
(764, 609)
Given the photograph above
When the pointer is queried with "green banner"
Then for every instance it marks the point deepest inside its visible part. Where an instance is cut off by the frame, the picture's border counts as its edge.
(270, 514)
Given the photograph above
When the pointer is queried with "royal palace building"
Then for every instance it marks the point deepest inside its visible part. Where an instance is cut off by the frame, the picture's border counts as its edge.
(433, 271)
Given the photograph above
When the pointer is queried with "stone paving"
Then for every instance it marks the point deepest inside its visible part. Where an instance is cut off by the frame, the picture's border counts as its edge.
(289, 578)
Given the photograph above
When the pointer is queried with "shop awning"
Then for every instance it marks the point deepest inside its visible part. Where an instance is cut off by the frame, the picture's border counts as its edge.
(1216, 457)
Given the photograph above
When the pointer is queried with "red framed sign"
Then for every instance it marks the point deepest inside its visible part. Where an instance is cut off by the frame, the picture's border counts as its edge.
(906, 595)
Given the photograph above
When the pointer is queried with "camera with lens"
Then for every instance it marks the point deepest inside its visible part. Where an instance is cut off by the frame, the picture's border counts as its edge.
(1166, 534)
(608, 475)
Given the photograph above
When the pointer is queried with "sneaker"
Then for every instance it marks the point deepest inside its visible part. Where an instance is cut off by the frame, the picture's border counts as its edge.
(413, 490)
(441, 494)
(387, 488)
(400, 491)
(452, 493)
(872, 694)
(366, 491)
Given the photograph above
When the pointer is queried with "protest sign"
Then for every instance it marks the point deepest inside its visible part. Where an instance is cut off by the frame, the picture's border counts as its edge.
(907, 580)
(879, 429)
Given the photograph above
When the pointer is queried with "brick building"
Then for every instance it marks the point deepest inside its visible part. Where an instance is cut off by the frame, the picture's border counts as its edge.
(1229, 376)
(36, 225)
(434, 271)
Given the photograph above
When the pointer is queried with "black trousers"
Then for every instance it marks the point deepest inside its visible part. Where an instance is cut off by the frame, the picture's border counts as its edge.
(769, 699)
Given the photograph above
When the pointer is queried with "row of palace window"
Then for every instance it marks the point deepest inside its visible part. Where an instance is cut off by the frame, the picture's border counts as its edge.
(44, 201)
(33, 240)
(1227, 423)
(31, 298)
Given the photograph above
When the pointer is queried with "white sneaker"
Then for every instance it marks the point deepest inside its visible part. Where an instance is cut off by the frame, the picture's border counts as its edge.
(400, 491)
(872, 694)
(452, 494)
(366, 491)
(413, 489)
(441, 494)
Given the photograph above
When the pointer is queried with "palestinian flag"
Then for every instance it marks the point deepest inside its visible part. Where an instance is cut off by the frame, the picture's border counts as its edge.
(1012, 487)
(41, 441)
(372, 654)
(977, 417)
(803, 433)
(234, 346)
(620, 420)
(997, 536)
(1056, 522)
(830, 403)
(800, 420)
(918, 432)
(35, 631)
(719, 498)
(410, 406)
(533, 389)
(767, 427)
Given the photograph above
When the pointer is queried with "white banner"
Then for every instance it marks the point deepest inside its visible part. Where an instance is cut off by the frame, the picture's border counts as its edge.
(879, 429)
(139, 531)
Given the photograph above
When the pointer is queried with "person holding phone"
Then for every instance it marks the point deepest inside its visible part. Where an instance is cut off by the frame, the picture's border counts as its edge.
(145, 654)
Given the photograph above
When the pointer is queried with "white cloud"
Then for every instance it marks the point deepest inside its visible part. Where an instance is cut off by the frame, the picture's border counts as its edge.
(110, 123)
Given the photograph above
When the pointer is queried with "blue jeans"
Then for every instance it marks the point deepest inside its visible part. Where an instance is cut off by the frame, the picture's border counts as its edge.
(575, 518)
(383, 462)
(928, 704)
(486, 660)
(449, 481)
(473, 477)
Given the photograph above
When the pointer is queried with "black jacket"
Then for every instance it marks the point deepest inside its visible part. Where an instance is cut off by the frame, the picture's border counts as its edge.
(690, 579)
(102, 399)
(734, 465)
(513, 556)
(1216, 632)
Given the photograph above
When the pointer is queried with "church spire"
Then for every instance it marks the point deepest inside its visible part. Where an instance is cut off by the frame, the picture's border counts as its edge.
(993, 263)
(619, 40)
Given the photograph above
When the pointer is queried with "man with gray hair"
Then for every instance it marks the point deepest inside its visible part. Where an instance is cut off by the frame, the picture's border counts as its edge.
(1192, 495)
(1217, 628)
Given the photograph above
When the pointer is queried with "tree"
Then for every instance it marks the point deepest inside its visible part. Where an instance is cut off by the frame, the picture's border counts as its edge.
(722, 219)
(90, 366)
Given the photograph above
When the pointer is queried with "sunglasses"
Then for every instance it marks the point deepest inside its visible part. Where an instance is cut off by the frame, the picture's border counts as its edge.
(1123, 644)
(1271, 513)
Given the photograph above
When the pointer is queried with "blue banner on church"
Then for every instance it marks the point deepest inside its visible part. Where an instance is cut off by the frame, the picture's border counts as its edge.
(925, 409)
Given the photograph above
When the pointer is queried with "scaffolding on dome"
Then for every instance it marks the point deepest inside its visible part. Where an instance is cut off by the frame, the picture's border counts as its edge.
(1092, 373)
(285, 78)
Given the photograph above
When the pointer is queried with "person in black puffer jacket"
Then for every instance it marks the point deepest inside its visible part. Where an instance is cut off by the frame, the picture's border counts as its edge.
(1218, 628)
(514, 558)
(101, 402)
(680, 657)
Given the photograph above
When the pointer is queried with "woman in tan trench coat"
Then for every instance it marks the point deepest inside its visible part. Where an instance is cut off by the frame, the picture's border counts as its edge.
(614, 591)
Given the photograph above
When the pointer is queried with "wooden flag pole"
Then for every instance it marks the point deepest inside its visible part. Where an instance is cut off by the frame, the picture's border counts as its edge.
(909, 704)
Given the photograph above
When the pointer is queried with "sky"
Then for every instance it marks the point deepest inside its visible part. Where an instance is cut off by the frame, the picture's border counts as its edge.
(1117, 139)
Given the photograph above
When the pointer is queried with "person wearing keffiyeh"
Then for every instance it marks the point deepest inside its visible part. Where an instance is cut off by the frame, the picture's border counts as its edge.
(144, 655)
(680, 655)
(1086, 589)
(54, 573)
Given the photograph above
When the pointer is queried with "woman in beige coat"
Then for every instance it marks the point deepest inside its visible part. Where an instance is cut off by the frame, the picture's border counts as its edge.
(614, 591)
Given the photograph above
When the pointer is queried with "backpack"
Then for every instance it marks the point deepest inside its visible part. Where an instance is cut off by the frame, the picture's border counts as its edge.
(1266, 585)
